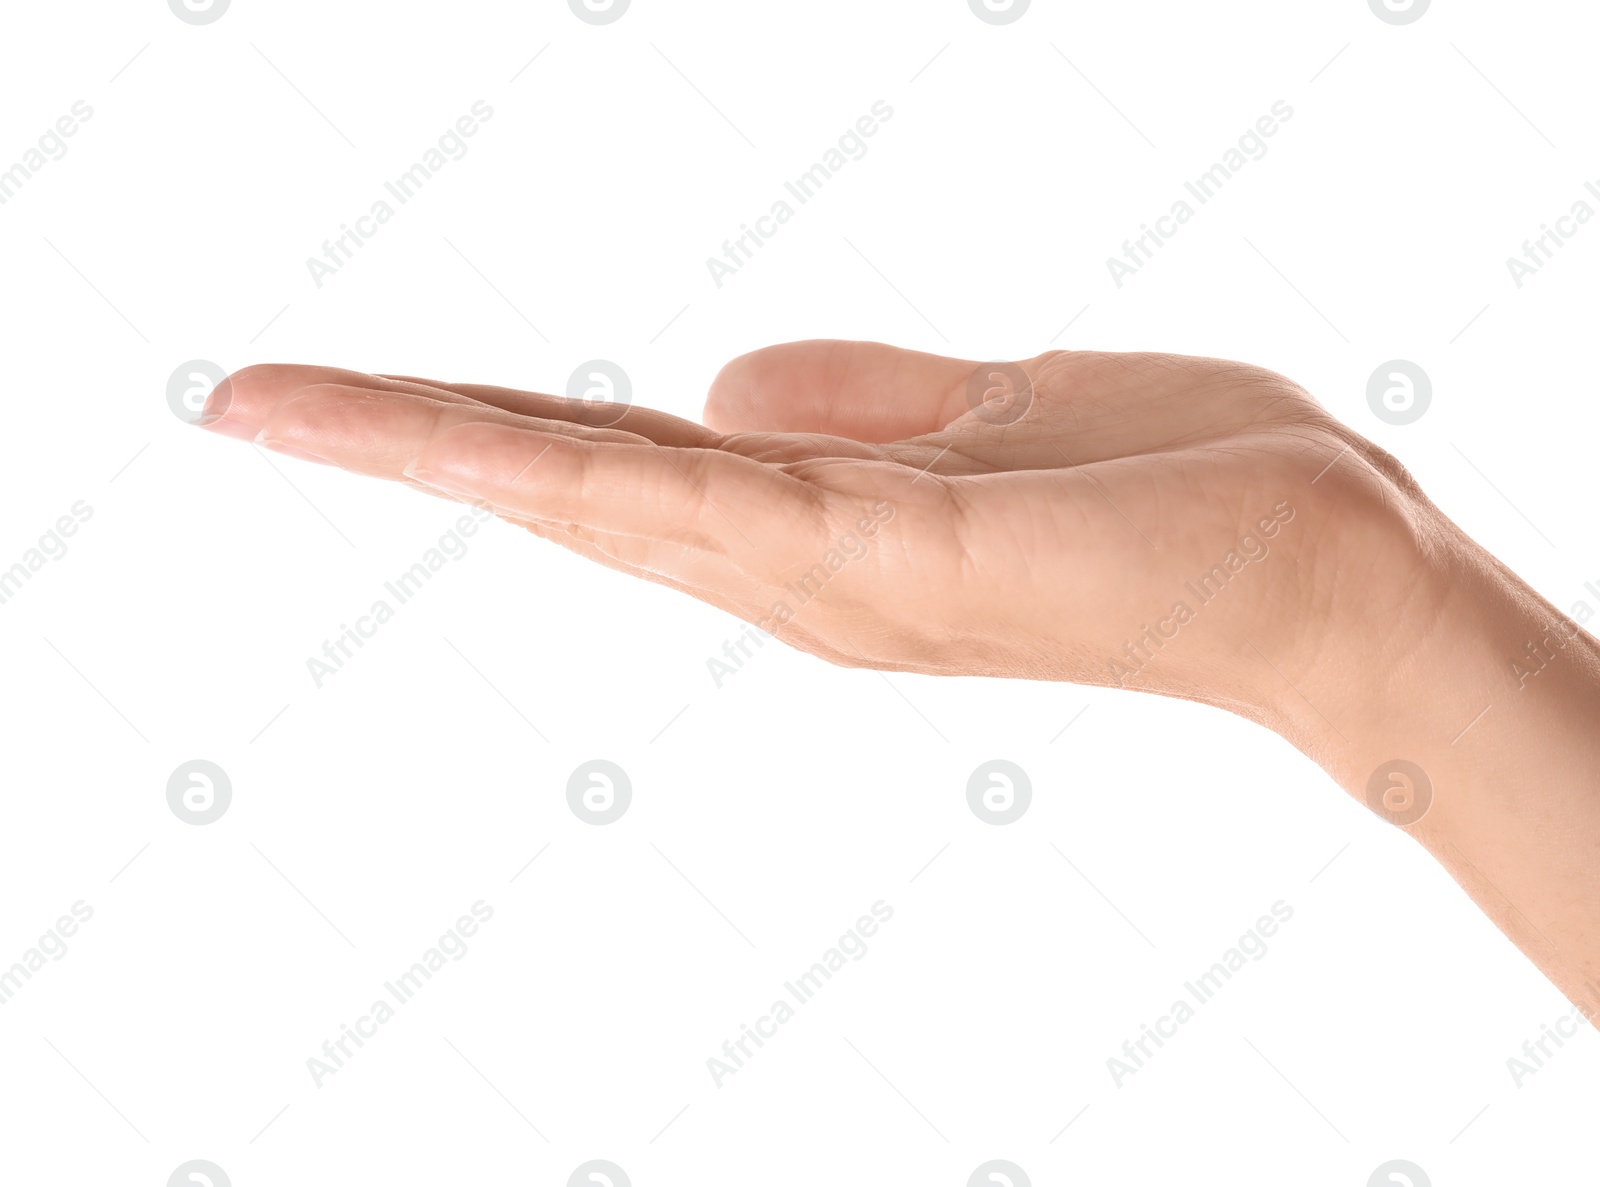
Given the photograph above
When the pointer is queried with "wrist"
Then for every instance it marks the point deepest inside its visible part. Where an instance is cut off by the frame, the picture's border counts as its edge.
(1480, 681)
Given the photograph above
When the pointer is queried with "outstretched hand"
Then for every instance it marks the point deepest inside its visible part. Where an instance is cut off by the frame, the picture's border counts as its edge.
(1185, 526)
(1073, 516)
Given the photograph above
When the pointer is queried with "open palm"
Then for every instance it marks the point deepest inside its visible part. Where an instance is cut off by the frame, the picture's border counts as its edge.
(1174, 524)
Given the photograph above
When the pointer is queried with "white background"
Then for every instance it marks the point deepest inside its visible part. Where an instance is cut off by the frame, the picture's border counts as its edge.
(768, 814)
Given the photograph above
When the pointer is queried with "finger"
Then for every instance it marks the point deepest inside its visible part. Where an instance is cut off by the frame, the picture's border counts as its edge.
(698, 574)
(862, 390)
(242, 402)
(661, 427)
(240, 405)
(665, 429)
(701, 498)
(707, 577)
(379, 433)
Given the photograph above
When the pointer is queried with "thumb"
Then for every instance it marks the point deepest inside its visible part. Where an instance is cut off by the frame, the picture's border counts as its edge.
(865, 391)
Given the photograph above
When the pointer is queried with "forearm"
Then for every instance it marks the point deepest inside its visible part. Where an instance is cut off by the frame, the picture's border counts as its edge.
(1496, 698)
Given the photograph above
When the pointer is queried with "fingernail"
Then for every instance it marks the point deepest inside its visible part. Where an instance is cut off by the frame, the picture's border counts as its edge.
(217, 403)
(288, 450)
(440, 482)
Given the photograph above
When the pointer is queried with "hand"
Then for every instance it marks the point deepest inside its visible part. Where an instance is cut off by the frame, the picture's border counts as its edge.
(1185, 526)
(1090, 504)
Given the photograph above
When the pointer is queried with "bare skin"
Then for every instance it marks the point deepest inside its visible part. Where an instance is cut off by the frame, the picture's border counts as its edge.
(1049, 526)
